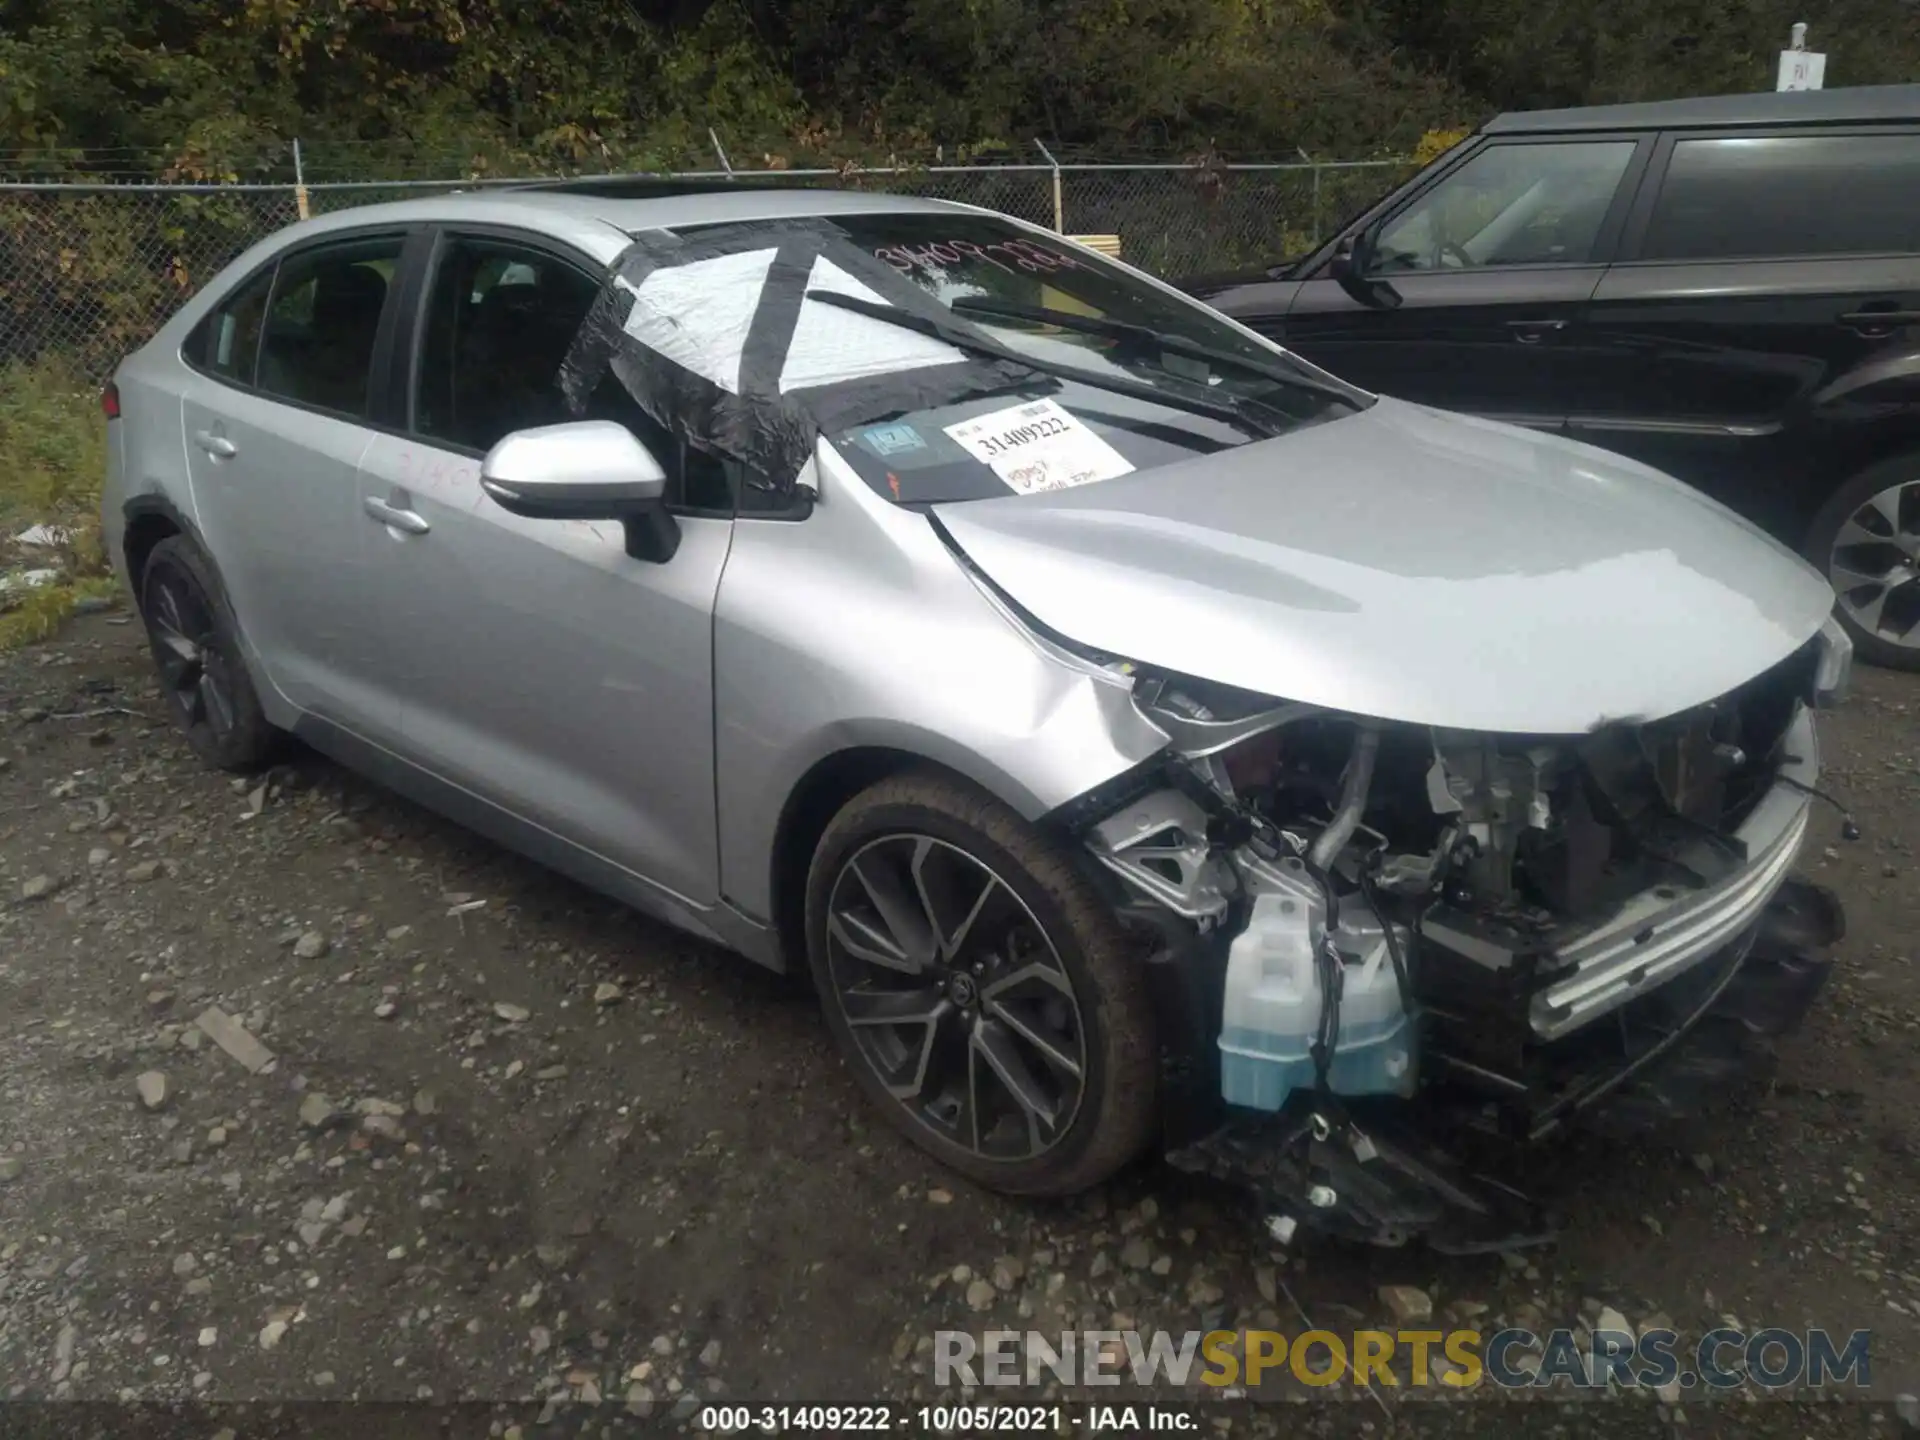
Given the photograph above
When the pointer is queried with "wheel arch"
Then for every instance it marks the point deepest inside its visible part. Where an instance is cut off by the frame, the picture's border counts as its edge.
(821, 793)
(149, 520)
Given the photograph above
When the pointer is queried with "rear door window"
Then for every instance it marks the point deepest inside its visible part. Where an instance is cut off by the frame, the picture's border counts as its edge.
(1762, 196)
(323, 321)
(228, 342)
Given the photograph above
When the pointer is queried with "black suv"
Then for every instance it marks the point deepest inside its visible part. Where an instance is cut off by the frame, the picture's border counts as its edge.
(1726, 288)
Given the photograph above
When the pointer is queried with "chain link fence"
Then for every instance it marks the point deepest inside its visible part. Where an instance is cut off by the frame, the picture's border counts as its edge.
(89, 271)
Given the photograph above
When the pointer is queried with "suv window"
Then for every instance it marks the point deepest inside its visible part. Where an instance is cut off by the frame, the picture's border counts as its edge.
(1509, 205)
(500, 318)
(1776, 195)
(321, 325)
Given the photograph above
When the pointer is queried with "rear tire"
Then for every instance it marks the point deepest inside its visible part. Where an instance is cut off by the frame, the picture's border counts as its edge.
(196, 649)
(1866, 541)
(980, 988)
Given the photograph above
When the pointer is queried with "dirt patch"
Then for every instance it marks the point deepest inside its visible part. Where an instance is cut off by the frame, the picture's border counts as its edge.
(515, 1143)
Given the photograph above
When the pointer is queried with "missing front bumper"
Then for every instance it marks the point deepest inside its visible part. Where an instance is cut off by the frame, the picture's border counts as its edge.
(1432, 1168)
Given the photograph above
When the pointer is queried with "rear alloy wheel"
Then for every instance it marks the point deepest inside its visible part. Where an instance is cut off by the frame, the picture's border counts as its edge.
(983, 994)
(1867, 537)
(197, 653)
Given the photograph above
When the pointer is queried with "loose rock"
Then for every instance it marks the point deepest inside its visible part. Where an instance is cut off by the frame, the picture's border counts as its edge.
(312, 945)
(234, 1038)
(316, 1111)
(1407, 1303)
(152, 1086)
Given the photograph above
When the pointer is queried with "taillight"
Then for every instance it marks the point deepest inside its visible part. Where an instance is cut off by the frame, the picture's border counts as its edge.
(110, 401)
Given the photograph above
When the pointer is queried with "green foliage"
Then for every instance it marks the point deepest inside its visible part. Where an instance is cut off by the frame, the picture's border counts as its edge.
(53, 445)
(1528, 54)
(53, 455)
(216, 88)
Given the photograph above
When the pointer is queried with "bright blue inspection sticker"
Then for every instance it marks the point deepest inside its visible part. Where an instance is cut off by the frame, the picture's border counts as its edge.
(886, 441)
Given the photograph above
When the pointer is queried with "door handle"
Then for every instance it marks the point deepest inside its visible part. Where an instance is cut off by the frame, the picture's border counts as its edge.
(410, 521)
(1878, 322)
(1532, 332)
(218, 446)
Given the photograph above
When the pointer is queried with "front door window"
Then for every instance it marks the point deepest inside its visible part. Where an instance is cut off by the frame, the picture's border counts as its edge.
(1509, 205)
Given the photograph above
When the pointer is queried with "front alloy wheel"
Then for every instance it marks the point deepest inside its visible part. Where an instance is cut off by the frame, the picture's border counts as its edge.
(1867, 539)
(955, 996)
(1875, 564)
(980, 987)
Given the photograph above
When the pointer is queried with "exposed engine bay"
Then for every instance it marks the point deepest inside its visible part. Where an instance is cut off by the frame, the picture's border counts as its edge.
(1403, 932)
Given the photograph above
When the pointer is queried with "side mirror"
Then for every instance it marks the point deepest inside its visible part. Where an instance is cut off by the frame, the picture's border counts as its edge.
(1352, 259)
(587, 470)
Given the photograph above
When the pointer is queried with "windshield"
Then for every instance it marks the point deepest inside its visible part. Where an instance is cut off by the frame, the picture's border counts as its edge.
(1132, 377)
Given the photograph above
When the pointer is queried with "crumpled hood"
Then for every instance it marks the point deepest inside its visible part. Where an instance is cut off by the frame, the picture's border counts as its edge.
(1411, 565)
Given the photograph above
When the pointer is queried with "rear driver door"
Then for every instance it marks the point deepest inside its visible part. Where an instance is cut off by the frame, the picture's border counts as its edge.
(280, 410)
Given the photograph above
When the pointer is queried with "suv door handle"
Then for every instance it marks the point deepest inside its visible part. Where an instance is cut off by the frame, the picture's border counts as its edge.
(1532, 332)
(410, 521)
(218, 446)
(1878, 322)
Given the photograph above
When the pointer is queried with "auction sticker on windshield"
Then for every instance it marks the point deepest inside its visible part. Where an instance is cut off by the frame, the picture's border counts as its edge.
(1038, 446)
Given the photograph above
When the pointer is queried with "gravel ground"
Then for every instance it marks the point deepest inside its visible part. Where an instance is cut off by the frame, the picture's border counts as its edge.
(479, 1135)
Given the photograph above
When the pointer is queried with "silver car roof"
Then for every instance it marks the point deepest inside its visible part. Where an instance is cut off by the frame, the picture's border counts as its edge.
(600, 224)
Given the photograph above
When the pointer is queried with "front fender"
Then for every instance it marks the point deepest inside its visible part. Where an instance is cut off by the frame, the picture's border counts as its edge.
(858, 629)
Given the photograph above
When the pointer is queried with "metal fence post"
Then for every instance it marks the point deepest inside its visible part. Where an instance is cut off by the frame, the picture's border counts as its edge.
(300, 184)
(1059, 207)
(1314, 166)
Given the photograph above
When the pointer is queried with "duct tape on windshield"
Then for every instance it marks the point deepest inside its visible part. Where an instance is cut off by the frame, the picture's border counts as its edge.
(713, 337)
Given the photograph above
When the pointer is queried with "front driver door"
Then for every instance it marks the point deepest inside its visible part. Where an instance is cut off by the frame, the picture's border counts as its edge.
(1494, 262)
(542, 671)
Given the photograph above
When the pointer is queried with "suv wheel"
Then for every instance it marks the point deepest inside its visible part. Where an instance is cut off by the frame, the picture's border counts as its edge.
(980, 988)
(196, 649)
(1867, 540)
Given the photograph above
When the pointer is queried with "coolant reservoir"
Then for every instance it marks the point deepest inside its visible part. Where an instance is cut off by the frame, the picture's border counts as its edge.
(1273, 1004)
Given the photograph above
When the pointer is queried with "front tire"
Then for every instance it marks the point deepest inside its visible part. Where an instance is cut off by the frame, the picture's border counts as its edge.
(980, 988)
(196, 649)
(1866, 539)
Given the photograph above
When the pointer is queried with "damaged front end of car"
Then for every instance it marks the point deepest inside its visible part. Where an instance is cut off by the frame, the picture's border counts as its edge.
(1382, 949)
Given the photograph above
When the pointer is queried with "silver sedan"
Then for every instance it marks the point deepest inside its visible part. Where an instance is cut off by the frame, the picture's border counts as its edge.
(1142, 737)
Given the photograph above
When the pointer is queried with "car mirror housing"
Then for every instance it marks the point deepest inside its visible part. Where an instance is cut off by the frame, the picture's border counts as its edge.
(585, 470)
(1352, 259)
